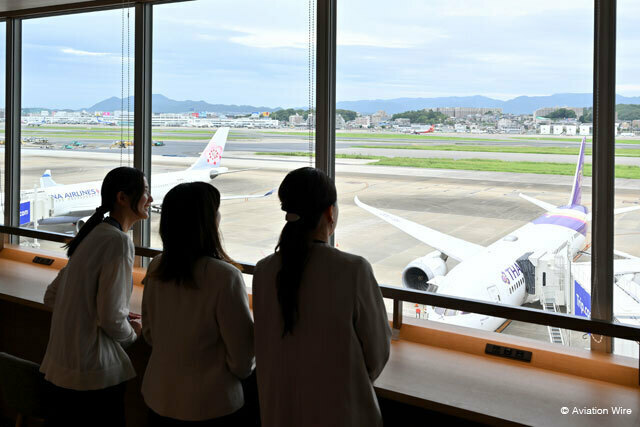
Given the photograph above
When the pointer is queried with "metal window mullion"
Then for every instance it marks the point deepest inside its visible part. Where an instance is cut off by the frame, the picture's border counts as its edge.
(142, 107)
(326, 88)
(604, 94)
(13, 84)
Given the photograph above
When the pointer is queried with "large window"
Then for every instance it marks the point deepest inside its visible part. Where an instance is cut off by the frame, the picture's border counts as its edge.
(230, 94)
(446, 114)
(626, 286)
(443, 120)
(77, 115)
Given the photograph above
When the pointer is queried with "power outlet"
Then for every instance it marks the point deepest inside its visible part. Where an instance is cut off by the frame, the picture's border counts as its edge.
(43, 260)
(508, 352)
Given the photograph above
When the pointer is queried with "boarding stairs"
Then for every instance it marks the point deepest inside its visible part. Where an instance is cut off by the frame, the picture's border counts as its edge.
(555, 334)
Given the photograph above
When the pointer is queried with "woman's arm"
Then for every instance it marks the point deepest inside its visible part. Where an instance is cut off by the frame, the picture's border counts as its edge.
(52, 289)
(114, 291)
(236, 326)
(146, 313)
(371, 322)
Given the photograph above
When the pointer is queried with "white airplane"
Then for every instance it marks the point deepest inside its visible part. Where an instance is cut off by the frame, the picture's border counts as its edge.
(493, 273)
(74, 203)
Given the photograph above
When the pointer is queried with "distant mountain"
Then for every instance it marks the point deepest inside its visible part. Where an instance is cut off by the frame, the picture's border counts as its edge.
(519, 105)
(162, 104)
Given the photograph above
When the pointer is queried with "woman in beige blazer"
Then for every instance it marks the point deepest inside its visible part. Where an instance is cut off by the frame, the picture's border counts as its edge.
(195, 315)
(321, 330)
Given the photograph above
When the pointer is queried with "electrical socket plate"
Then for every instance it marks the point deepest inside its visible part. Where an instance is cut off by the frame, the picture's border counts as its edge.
(508, 352)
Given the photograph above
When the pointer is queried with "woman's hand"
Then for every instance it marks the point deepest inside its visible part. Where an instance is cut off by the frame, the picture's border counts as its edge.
(137, 327)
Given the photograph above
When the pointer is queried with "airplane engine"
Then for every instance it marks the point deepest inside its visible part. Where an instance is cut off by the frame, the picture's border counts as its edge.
(81, 222)
(421, 270)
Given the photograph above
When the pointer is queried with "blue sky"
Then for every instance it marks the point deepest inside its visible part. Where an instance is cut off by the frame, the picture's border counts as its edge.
(214, 51)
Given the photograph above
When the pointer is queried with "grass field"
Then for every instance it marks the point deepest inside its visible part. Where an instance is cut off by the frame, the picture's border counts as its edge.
(439, 137)
(362, 135)
(543, 168)
(622, 152)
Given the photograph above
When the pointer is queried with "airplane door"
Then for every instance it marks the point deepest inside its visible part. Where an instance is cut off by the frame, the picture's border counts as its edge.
(494, 293)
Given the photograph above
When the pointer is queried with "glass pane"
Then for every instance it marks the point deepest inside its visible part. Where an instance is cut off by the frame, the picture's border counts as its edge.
(230, 93)
(77, 115)
(626, 287)
(444, 119)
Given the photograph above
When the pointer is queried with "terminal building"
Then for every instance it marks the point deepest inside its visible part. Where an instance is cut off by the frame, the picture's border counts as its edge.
(438, 372)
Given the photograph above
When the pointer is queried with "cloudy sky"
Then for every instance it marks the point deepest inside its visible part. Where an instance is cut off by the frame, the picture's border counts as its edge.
(213, 50)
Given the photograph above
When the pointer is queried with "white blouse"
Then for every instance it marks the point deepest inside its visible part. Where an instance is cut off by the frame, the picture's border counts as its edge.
(202, 339)
(323, 374)
(90, 302)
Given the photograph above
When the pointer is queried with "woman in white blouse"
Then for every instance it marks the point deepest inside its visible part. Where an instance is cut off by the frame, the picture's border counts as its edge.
(195, 315)
(85, 361)
(321, 330)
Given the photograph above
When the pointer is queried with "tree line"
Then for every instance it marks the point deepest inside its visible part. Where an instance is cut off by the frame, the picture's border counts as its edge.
(283, 115)
(422, 116)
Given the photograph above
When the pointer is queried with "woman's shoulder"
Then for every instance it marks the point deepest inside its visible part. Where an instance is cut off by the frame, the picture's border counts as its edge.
(346, 259)
(219, 266)
(265, 263)
(106, 237)
(108, 231)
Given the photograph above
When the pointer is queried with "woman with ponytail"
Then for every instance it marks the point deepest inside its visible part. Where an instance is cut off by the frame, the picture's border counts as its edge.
(85, 361)
(195, 315)
(321, 330)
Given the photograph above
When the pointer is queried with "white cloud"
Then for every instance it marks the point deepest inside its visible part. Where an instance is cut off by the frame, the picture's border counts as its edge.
(635, 88)
(269, 38)
(346, 38)
(207, 37)
(77, 52)
(509, 8)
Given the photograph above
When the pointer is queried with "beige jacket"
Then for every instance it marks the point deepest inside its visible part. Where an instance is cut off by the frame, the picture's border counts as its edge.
(202, 341)
(90, 302)
(323, 374)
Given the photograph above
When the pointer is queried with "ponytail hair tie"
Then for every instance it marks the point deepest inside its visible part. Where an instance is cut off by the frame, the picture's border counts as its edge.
(291, 217)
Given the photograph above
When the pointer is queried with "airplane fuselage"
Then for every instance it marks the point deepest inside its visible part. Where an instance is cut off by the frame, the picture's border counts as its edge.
(82, 199)
(496, 275)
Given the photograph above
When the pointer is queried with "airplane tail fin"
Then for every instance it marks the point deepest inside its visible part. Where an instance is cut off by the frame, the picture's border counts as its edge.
(212, 154)
(576, 191)
(46, 180)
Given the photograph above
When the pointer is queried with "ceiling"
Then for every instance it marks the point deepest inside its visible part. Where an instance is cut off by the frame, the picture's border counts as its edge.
(12, 8)
(18, 5)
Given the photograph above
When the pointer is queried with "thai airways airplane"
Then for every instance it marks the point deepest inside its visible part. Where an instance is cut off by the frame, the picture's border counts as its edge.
(500, 272)
(74, 203)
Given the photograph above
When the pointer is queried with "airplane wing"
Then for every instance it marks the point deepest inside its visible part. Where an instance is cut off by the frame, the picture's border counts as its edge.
(217, 172)
(57, 220)
(249, 196)
(452, 246)
(157, 207)
(629, 265)
(544, 205)
(618, 211)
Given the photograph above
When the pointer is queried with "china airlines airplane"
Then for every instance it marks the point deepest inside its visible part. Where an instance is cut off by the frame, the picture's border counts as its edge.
(496, 273)
(74, 203)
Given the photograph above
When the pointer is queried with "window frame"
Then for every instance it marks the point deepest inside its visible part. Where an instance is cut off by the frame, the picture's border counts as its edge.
(603, 154)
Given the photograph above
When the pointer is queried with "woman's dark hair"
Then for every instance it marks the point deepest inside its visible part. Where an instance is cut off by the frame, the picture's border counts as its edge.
(189, 231)
(128, 180)
(307, 193)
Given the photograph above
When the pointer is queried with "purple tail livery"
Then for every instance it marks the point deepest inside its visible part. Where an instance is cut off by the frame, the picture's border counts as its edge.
(576, 192)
